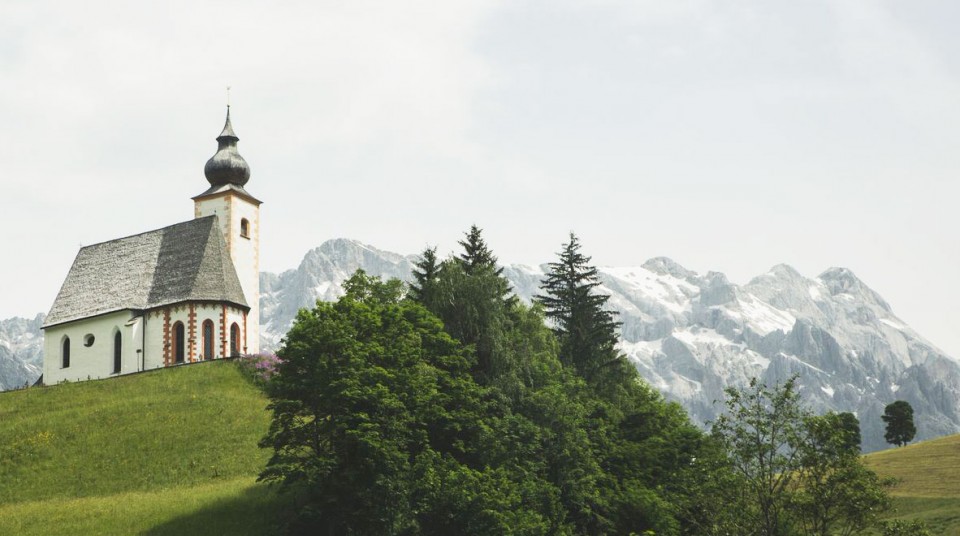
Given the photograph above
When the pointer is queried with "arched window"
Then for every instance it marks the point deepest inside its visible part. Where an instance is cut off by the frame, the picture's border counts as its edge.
(244, 228)
(208, 339)
(65, 353)
(178, 342)
(234, 340)
(117, 352)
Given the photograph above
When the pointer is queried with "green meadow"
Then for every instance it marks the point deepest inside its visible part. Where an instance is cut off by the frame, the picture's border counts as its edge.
(928, 485)
(165, 452)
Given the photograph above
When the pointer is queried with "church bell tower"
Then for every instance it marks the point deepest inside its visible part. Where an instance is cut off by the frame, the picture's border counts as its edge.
(239, 215)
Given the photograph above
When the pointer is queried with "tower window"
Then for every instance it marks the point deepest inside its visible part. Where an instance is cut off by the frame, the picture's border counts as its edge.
(65, 353)
(245, 228)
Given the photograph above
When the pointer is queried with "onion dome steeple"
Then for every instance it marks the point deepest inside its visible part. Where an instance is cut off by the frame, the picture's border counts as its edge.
(227, 166)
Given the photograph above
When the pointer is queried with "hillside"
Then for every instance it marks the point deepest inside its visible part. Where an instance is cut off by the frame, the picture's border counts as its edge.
(929, 481)
(171, 451)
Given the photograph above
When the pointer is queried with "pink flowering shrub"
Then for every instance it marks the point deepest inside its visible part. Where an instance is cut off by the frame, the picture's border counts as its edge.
(259, 367)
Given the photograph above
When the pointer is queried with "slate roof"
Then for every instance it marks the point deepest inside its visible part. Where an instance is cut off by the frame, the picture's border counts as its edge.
(187, 261)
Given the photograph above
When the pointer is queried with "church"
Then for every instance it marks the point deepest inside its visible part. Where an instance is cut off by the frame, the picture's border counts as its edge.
(181, 294)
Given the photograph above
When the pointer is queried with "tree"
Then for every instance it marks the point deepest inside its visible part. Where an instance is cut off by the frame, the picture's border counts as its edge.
(762, 432)
(476, 255)
(799, 473)
(851, 427)
(372, 405)
(475, 303)
(380, 427)
(899, 418)
(835, 494)
(901, 527)
(586, 329)
(425, 273)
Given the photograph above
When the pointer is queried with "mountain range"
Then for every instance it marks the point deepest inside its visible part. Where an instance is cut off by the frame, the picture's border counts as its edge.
(689, 335)
(21, 352)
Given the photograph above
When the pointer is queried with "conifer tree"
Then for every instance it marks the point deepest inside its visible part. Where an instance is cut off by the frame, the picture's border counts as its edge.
(474, 300)
(425, 274)
(476, 255)
(587, 331)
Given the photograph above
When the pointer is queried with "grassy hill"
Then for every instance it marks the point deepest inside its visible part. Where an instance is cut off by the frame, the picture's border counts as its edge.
(175, 452)
(929, 487)
(165, 452)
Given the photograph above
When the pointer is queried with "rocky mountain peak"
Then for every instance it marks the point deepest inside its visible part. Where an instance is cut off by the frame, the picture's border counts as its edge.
(667, 266)
(843, 281)
(716, 290)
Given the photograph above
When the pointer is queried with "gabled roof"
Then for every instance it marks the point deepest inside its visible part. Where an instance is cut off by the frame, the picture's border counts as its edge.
(187, 261)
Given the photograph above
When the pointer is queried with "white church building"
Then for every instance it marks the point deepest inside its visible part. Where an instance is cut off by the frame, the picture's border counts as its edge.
(180, 294)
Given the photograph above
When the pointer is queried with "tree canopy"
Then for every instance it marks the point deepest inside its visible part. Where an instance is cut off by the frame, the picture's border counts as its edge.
(899, 418)
(795, 472)
(386, 422)
(453, 408)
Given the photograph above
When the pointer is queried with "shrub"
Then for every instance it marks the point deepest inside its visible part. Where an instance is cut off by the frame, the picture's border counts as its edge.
(260, 368)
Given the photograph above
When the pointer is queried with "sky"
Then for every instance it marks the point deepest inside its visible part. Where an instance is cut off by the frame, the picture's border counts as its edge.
(728, 135)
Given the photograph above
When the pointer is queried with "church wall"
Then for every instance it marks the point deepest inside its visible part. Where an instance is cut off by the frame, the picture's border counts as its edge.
(94, 361)
(161, 322)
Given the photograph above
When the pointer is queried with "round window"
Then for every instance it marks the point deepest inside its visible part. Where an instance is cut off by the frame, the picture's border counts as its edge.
(88, 340)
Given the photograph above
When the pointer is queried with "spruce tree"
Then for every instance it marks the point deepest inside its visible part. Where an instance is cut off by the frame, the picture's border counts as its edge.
(586, 329)
(474, 301)
(476, 255)
(425, 277)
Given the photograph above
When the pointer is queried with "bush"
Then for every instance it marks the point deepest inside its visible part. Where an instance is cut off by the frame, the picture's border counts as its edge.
(260, 368)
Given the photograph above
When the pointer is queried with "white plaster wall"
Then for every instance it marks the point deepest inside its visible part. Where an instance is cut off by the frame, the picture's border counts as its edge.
(95, 361)
(246, 259)
(142, 341)
(153, 338)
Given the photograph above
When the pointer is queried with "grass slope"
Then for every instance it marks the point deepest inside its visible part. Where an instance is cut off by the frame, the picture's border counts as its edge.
(165, 452)
(929, 487)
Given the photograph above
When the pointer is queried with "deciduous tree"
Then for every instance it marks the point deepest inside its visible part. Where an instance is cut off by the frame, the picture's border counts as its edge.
(762, 431)
(899, 418)
(835, 493)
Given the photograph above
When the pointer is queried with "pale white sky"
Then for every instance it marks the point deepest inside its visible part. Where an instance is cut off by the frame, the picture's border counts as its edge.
(727, 135)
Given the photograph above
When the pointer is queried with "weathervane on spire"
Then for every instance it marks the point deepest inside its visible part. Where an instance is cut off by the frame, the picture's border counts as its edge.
(228, 96)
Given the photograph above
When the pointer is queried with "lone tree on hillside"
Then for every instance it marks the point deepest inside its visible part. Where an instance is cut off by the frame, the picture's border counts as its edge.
(899, 418)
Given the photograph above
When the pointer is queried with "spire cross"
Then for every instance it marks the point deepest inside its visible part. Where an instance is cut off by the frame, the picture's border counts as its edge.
(228, 96)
